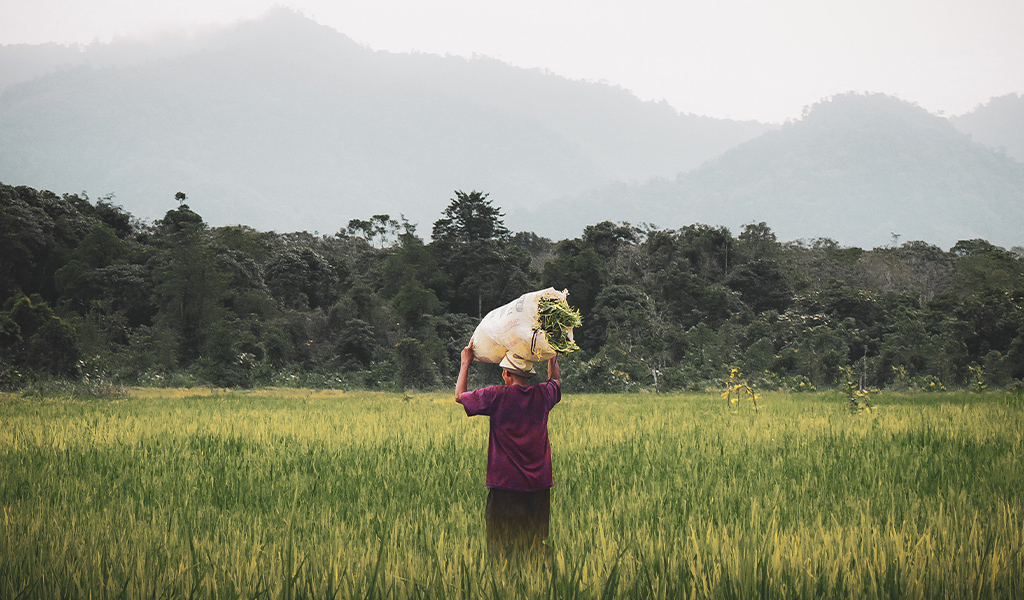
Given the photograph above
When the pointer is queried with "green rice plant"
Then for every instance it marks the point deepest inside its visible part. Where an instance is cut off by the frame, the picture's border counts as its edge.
(298, 494)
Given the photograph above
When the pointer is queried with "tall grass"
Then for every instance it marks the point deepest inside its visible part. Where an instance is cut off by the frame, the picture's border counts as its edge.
(294, 494)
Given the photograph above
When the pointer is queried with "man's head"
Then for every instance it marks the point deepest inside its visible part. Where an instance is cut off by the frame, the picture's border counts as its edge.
(512, 373)
(515, 377)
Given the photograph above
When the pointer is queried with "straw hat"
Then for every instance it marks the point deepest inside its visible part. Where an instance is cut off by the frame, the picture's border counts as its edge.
(517, 366)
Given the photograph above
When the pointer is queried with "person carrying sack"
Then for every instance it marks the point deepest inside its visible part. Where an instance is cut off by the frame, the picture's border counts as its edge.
(519, 477)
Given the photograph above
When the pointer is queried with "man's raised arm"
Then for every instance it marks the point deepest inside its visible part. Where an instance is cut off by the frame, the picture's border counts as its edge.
(462, 383)
(554, 374)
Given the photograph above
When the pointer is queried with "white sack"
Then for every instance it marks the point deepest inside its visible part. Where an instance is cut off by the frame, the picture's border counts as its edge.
(514, 330)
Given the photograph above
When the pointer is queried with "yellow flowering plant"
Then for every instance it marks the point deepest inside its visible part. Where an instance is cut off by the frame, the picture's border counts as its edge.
(858, 398)
(738, 388)
(978, 383)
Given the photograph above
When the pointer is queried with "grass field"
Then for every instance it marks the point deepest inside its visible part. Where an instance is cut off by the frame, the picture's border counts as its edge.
(296, 494)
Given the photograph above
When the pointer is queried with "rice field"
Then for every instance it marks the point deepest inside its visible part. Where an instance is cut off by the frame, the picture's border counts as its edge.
(301, 494)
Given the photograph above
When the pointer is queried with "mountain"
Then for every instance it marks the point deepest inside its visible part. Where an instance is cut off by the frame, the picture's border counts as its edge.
(22, 62)
(999, 124)
(284, 124)
(855, 168)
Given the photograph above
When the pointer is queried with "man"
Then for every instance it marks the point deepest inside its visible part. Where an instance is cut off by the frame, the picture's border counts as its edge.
(518, 455)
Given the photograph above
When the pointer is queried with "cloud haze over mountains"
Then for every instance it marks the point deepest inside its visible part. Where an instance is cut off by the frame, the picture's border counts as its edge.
(284, 124)
(998, 124)
(856, 168)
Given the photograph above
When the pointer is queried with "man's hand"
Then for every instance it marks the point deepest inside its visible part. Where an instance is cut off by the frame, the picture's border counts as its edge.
(554, 374)
(463, 381)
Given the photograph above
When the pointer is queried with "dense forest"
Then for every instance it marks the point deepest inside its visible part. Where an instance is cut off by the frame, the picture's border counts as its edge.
(93, 294)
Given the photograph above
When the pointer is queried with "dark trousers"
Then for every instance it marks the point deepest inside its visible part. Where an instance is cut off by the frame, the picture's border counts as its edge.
(517, 524)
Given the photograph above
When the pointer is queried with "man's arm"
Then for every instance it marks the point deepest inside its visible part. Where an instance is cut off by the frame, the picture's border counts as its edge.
(462, 383)
(554, 374)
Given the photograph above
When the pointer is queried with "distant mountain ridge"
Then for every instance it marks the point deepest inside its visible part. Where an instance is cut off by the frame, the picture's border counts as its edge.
(284, 124)
(999, 124)
(857, 169)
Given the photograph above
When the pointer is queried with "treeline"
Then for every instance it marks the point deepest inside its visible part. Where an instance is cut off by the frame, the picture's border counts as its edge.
(93, 294)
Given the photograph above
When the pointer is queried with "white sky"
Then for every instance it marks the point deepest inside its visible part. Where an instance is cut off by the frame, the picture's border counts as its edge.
(744, 59)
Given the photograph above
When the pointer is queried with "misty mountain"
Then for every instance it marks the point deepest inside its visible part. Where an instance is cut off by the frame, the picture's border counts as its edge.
(22, 62)
(284, 124)
(998, 124)
(856, 168)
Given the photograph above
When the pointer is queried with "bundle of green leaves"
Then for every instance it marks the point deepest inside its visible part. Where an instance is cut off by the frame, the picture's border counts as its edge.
(556, 318)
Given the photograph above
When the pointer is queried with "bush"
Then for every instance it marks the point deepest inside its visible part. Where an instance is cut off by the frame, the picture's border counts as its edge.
(595, 375)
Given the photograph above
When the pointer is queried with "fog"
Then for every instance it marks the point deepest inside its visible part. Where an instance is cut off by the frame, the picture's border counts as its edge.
(738, 59)
(284, 123)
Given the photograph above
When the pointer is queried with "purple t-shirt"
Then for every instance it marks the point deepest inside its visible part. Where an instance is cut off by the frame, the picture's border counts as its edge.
(518, 451)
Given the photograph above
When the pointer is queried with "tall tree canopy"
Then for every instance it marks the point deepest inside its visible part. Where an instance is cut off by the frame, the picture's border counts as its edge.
(88, 291)
(469, 218)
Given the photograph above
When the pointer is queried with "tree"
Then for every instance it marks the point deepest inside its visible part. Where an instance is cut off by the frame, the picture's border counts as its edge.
(578, 269)
(115, 217)
(38, 232)
(820, 349)
(80, 279)
(607, 238)
(33, 337)
(913, 267)
(487, 274)
(415, 367)
(363, 327)
(453, 332)
(758, 242)
(188, 286)
(473, 246)
(411, 261)
(541, 249)
(302, 278)
(380, 228)
(634, 335)
(181, 220)
(469, 218)
(355, 344)
(414, 304)
(981, 267)
(708, 250)
(761, 285)
(587, 264)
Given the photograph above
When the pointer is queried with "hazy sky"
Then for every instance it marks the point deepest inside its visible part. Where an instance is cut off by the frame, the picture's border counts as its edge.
(745, 59)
